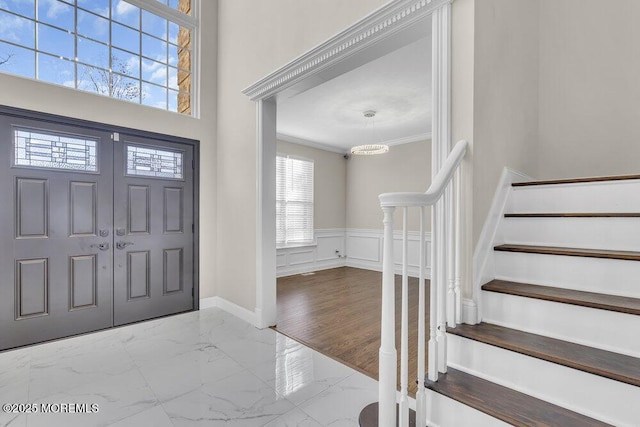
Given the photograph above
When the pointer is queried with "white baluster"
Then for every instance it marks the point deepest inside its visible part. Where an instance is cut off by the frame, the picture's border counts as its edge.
(387, 355)
(442, 290)
(458, 240)
(432, 368)
(421, 396)
(403, 418)
(451, 296)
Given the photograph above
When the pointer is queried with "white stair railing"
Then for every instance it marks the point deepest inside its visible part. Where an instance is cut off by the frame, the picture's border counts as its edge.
(445, 299)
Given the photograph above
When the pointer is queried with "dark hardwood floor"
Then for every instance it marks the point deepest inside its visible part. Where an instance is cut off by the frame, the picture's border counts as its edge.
(337, 312)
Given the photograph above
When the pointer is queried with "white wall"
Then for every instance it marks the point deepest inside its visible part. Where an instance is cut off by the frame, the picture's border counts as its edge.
(38, 96)
(405, 167)
(589, 88)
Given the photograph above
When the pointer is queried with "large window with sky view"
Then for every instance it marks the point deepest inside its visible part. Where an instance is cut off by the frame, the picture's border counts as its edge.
(138, 51)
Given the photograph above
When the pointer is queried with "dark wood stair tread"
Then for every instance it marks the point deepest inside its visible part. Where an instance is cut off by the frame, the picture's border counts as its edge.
(508, 405)
(567, 296)
(576, 180)
(615, 366)
(552, 250)
(575, 215)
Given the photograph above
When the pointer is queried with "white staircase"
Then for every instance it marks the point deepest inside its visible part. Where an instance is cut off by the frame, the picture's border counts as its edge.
(562, 321)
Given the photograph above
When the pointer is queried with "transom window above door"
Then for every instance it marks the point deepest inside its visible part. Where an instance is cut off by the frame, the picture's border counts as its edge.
(140, 51)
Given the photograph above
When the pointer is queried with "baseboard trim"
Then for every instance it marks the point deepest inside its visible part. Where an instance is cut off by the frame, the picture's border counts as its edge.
(317, 266)
(231, 308)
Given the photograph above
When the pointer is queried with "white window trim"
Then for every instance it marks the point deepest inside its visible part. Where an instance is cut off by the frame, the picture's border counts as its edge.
(308, 243)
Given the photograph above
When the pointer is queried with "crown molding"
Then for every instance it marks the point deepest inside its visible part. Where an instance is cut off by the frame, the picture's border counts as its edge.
(373, 28)
(313, 144)
(326, 147)
(408, 139)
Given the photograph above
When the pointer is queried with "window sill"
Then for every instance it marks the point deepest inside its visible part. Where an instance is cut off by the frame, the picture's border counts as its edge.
(298, 245)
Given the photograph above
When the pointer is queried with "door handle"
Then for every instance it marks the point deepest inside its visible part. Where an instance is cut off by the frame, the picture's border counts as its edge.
(122, 245)
(101, 246)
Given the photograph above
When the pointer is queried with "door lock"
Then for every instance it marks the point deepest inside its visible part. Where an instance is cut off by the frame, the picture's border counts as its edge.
(120, 232)
(104, 233)
(122, 245)
(101, 246)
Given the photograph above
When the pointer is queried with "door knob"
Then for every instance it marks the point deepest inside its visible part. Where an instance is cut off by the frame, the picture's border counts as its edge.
(122, 245)
(101, 246)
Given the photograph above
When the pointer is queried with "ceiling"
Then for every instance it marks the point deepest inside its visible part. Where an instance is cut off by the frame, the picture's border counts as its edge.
(397, 86)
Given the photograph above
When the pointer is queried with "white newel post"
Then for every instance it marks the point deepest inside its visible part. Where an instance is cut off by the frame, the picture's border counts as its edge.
(388, 355)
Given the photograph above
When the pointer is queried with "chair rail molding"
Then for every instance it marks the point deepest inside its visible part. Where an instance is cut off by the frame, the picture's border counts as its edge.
(381, 24)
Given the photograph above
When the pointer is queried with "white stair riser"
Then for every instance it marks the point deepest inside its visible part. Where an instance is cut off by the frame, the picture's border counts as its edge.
(608, 330)
(613, 196)
(592, 395)
(608, 276)
(621, 234)
(444, 412)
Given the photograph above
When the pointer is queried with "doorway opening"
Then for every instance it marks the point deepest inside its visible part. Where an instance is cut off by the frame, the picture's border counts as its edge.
(386, 30)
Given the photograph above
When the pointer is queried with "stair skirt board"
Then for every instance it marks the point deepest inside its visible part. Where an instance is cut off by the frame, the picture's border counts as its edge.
(607, 196)
(598, 233)
(610, 276)
(607, 330)
(443, 411)
(594, 396)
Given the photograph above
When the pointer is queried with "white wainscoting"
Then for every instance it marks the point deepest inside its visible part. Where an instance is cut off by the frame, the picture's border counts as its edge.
(364, 250)
(359, 248)
(319, 256)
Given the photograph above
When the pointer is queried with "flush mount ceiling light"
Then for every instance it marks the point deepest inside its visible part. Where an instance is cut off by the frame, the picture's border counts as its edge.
(370, 149)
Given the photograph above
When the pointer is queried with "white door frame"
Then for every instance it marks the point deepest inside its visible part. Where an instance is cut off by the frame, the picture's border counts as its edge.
(382, 31)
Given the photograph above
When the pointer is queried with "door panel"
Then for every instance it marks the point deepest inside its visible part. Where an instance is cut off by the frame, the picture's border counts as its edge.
(56, 280)
(153, 216)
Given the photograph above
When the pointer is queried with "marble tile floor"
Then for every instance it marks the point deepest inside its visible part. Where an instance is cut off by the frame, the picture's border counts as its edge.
(205, 368)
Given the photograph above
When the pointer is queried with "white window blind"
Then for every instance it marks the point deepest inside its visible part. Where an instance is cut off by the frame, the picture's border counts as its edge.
(294, 200)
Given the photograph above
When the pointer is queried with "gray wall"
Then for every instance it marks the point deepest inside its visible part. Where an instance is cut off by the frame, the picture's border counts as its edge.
(346, 191)
(329, 184)
(505, 97)
(405, 167)
(589, 88)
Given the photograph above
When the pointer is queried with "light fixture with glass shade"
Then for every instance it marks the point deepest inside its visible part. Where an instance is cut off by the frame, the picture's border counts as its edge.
(370, 149)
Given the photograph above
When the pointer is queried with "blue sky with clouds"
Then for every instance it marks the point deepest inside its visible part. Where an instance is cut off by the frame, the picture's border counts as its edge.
(142, 46)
